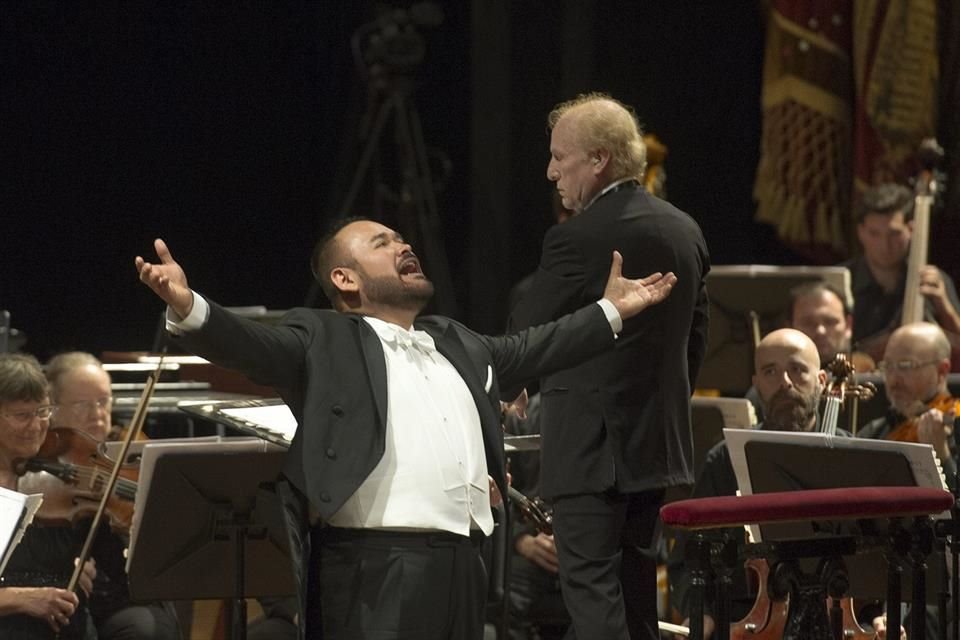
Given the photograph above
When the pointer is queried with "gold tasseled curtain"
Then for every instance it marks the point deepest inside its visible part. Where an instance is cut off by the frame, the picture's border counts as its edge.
(849, 90)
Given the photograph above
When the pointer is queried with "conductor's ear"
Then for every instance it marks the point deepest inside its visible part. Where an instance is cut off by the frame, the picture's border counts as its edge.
(344, 279)
(600, 160)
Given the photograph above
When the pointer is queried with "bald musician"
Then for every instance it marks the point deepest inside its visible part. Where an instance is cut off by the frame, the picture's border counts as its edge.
(915, 365)
(818, 310)
(790, 382)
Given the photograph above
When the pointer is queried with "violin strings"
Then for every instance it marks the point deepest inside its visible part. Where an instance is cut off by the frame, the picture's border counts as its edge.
(125, 488)
(831, 413)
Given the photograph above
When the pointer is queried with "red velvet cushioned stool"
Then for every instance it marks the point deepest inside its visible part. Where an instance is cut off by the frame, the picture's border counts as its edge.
(702, 514)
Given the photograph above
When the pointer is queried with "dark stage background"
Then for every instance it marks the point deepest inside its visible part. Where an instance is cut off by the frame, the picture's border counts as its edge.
(230, 130)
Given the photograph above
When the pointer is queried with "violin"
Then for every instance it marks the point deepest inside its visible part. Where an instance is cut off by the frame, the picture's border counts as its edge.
(534, 511)
(906, 431)
(71, 470)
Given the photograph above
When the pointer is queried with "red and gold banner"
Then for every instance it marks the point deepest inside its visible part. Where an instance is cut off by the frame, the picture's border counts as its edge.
(849, 90)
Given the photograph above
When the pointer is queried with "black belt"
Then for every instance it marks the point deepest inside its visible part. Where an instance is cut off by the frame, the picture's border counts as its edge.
(401, 538)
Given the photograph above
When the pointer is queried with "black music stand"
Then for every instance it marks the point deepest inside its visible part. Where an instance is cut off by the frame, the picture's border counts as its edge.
(212, 529)
(779, 466)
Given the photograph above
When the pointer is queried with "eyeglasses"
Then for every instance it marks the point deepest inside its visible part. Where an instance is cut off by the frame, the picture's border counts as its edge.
(82, 407)
(902, 366)
(24, 417)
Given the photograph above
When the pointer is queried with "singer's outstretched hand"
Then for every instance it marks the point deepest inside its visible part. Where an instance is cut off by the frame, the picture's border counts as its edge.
(166, 279)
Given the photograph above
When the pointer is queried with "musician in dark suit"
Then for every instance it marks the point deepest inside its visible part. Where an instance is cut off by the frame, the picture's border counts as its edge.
(879, 276)
(400, 437)
(616, 428)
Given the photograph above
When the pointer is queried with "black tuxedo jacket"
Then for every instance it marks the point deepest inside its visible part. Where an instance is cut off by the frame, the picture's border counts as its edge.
(330, 370)
(622, 419)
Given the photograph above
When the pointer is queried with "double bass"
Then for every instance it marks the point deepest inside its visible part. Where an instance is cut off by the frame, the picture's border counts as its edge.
(913, 301)
(928, 186)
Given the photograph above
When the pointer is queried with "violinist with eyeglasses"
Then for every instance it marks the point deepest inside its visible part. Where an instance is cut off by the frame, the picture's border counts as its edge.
(80, 389)
(33, 603)
(915, 365)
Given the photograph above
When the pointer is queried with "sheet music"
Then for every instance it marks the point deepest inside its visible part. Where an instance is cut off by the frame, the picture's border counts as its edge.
(922, 459)
(276, 418)
(16, 513)
(154, 449)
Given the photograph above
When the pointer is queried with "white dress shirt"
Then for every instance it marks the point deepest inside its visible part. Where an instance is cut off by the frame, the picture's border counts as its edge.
(433, 474)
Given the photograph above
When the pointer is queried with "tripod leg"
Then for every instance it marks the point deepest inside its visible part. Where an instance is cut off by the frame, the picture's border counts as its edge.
(419, 184)
(373, 141)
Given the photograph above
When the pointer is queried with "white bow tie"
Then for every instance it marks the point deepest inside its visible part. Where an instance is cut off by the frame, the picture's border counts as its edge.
(418, 339)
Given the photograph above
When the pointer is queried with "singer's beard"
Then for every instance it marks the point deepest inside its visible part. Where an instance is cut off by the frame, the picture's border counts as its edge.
(790, 410)
(410, 295)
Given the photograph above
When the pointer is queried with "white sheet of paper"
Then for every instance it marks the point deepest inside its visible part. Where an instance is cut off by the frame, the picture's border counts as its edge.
(276, 418)
(16, 513)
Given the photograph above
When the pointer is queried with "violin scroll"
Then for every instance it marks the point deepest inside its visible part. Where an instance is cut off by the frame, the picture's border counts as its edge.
(842, 369)
(534, 511)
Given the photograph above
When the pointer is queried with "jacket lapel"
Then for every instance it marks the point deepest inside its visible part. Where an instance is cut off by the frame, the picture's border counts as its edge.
(449, 344)
(376, 369)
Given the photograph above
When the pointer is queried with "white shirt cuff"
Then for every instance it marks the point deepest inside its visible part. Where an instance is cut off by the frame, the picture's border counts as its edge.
(195, 320)
(613, 316)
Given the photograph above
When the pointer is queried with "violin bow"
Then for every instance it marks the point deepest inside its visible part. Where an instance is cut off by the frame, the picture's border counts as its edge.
(139, 417)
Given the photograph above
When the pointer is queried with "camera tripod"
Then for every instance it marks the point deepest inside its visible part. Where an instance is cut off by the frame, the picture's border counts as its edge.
(413, 197)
